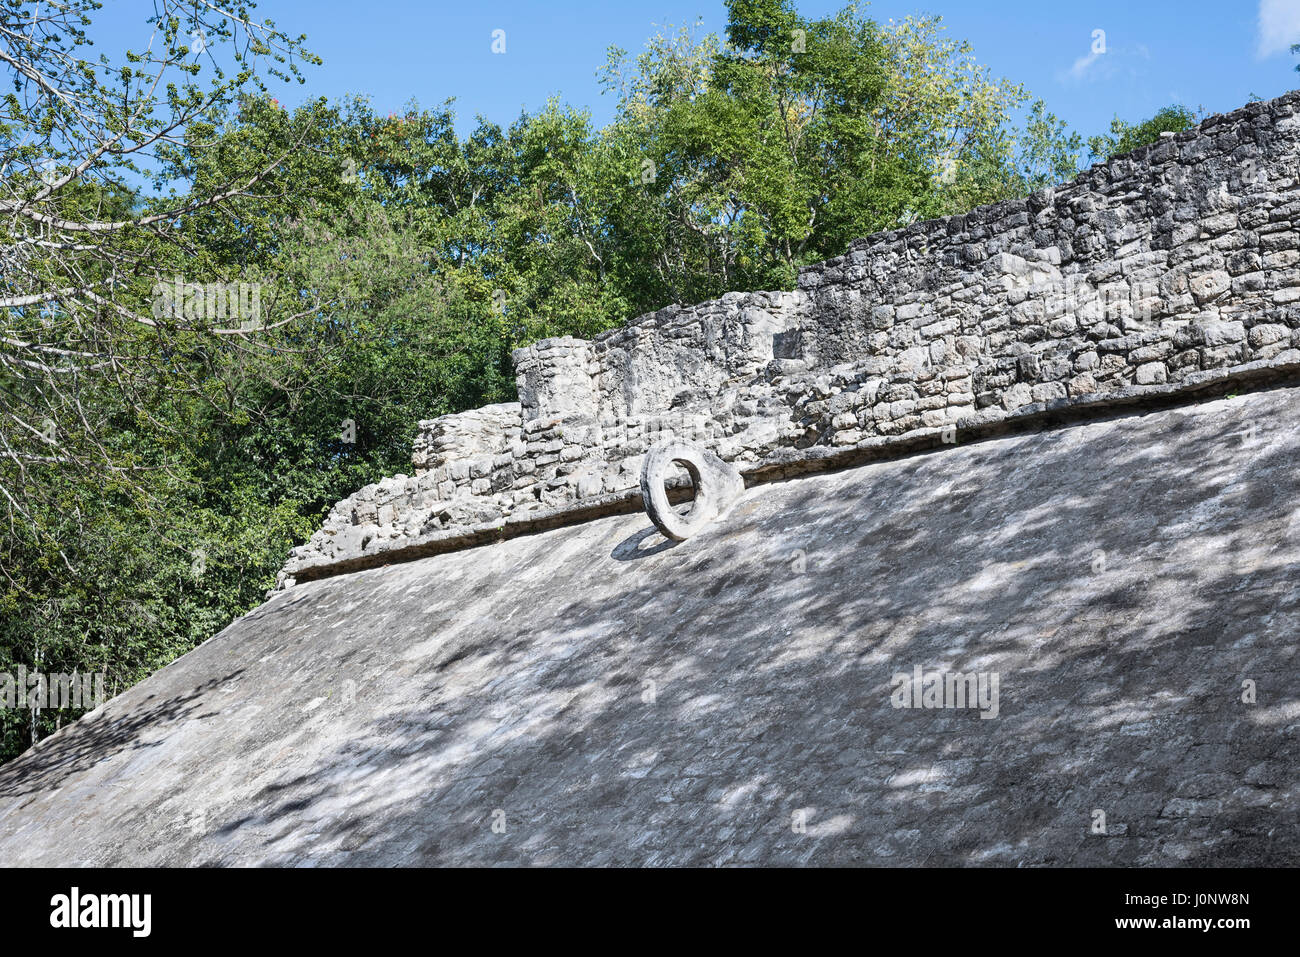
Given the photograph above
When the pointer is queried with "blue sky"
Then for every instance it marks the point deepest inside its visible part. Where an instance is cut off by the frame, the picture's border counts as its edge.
(1202, 53)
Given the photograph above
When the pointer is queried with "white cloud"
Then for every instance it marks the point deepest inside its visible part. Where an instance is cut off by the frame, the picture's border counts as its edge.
(1279, 26)
(1081, 65)
(1104, 62)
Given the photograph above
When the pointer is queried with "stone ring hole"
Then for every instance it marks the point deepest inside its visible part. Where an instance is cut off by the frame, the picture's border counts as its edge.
(717, 487)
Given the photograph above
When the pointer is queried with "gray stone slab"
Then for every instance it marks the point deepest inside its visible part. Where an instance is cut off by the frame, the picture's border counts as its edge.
(729, 700)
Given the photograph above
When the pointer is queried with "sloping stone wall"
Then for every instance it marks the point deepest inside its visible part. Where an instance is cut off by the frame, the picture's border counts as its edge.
(1151, 275)
(589, 696)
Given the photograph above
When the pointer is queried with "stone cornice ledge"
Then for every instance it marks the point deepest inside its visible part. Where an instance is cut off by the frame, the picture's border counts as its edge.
(787, 463)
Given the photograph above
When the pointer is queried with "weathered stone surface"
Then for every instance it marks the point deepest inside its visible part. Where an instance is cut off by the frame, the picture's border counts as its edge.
(1149, 272)
(622, 700)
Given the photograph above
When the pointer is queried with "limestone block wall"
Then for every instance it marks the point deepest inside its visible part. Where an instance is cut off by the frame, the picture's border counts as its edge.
(1153, 274)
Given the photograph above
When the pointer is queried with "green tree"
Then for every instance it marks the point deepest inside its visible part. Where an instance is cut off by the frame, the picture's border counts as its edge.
(793, 137)
(92, 379)
(1125, 137)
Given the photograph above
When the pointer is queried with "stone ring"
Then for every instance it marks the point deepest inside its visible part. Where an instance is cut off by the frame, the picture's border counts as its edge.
(717, 487)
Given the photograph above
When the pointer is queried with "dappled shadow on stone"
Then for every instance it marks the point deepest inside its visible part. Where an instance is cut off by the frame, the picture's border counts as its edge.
(97, 738)
(1121, 680)
(1122, 578)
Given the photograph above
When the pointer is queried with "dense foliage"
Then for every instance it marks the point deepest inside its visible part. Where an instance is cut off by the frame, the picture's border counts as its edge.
(1126, 137)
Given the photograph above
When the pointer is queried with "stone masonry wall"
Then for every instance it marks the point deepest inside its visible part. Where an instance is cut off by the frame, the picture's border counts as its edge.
(1156, 273)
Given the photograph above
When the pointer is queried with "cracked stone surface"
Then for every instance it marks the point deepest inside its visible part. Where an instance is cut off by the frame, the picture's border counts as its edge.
(620, 699)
